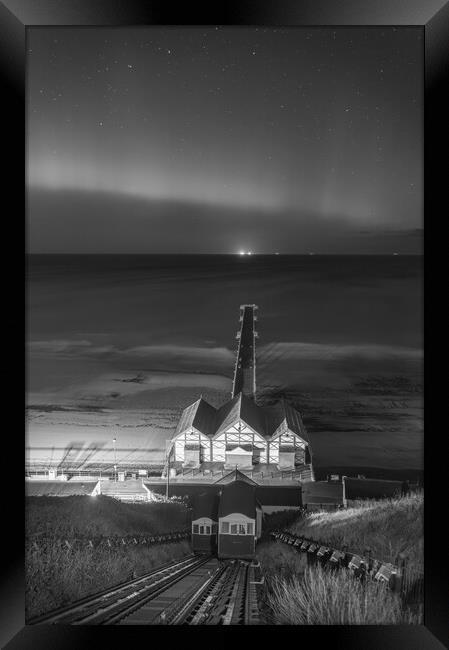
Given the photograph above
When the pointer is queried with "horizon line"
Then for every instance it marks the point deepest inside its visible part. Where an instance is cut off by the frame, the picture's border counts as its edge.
(311, 254)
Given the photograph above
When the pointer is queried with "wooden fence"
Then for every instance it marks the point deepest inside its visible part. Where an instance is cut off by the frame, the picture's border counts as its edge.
(41, 541)
(401, 577)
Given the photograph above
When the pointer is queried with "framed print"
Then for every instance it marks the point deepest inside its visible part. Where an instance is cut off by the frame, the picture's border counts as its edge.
(226, 214)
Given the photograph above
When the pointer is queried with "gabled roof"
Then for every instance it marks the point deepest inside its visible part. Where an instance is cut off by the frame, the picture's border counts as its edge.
(264, 420)
(283, 412)
(294, 421)
(238, 496)
(234, 475)
(243, 408)
(274, 416)
(200, 415)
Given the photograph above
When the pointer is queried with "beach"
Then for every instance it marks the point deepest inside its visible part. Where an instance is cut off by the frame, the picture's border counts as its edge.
(118, 345)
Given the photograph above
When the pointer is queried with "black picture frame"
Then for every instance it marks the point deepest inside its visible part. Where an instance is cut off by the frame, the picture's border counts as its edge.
(433, 17)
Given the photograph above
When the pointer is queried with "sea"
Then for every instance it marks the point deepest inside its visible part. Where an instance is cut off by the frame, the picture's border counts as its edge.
(118, 345)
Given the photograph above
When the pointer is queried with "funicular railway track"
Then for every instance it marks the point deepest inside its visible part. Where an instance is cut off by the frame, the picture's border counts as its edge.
(193, 591)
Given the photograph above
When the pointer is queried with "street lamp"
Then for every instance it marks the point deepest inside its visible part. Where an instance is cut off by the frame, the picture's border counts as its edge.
(168, 450)
(114, 440)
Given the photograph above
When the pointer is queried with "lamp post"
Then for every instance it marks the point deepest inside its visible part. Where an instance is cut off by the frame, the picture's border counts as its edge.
(168, 449)
(114, 440)
(345, 502)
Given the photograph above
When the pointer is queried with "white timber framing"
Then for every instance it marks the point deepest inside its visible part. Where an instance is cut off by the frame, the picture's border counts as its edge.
(284, 436)
(191, 436)
(239, 434)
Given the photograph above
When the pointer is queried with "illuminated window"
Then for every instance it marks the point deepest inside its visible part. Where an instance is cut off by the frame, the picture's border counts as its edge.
(236, 528)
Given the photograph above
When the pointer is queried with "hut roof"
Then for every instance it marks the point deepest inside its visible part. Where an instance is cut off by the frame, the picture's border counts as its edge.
(235, 475)
(238, 496)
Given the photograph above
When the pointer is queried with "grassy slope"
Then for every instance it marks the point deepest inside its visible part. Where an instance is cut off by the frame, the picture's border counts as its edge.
(387, 527)
(300, 594)
(56, 575)
(325, 597)
(85, 515)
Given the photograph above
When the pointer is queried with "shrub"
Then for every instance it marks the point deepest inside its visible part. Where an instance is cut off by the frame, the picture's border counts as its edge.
(325, 597)
(56, 575)
(280, 560)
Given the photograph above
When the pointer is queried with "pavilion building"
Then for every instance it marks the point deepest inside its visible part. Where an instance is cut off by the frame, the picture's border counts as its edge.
(242, 434)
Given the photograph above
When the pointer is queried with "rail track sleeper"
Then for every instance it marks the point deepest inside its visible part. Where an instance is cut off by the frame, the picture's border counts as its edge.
(67, 612)
(138, 603)
(214, 599)
(196, 594)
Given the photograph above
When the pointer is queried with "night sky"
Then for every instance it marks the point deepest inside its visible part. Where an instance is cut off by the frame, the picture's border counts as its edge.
(213, 140)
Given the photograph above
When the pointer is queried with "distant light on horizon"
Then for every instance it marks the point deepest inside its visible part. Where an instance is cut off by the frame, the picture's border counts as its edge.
(152, 140)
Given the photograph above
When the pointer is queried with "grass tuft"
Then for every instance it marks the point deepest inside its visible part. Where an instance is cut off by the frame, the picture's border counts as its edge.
(57, 576)
(325, 597)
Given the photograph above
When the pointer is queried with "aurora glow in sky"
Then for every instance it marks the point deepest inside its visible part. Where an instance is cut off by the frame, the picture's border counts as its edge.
(212, 140)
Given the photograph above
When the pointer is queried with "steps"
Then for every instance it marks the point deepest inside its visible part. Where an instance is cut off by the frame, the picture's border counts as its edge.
(130, 490)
